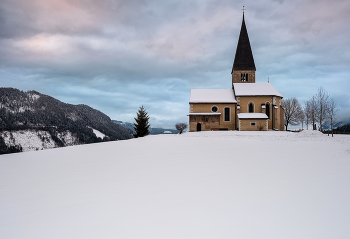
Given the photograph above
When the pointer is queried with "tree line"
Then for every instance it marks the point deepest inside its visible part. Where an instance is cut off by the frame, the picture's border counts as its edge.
(319, 109)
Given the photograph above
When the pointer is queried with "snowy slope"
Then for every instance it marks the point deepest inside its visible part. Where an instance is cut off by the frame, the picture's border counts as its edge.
(194, 185)
(31, 140)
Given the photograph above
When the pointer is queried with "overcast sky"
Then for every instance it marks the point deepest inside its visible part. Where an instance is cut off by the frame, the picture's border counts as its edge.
(117, 55)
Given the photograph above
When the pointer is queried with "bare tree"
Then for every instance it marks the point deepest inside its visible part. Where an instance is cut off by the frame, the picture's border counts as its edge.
(181, 127)
(313, 111)
(292, 112)
(322, 99)
(302, 119)
(307, 113)
(332, 111)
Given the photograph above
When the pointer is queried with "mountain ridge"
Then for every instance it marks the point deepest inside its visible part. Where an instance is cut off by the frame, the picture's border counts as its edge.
(153, 131)
(52, 121)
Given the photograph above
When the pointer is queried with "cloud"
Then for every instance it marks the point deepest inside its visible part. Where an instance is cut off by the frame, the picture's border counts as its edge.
(119, 55)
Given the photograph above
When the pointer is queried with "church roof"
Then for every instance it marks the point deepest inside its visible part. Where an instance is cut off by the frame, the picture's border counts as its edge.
(252, 116)
(244, 56)
(255, 89)
(205, 113)
(212, 96)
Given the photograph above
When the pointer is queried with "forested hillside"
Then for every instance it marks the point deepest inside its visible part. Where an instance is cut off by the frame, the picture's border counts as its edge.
(57, 124)
(343, 129)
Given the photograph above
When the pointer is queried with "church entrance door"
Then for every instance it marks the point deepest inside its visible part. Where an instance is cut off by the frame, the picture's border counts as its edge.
(199, 127)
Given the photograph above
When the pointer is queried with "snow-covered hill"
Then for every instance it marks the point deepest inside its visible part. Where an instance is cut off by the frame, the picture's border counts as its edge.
(30, 140)
(196, 185)
(33, 121)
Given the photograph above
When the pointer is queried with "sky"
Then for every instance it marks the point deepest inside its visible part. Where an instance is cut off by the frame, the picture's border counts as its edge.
(117, 55)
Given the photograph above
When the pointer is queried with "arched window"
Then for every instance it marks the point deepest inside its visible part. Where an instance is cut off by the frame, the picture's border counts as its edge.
(268, 110)
(251, 108)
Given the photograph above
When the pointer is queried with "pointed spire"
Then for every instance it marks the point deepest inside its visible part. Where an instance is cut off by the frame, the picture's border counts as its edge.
(244, 56)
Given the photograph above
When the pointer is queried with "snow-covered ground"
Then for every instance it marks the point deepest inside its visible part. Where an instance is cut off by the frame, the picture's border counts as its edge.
(269, 185)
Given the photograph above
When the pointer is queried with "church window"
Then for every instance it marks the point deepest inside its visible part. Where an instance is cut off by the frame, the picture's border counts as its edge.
(214, 108)
(244, 77)
(251, 108)
(268, 110)
(227, 114)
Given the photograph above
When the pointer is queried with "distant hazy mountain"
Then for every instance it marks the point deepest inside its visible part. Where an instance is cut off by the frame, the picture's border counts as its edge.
(152, 130)
(343, 129)
(33, 121)
(336, 124)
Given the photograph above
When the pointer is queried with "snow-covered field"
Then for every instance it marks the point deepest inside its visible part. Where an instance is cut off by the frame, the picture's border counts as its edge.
(269, 185)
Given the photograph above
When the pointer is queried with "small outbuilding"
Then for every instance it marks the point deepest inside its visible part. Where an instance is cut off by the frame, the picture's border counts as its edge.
(252, 121)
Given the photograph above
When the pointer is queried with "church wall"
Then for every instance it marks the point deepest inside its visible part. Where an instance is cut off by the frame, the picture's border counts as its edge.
(279, 113)
(207, 122)
(244, 102)
(245, 124)
(236, 76)
(281, 127)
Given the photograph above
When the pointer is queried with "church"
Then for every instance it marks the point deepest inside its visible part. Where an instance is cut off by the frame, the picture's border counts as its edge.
(248, 106)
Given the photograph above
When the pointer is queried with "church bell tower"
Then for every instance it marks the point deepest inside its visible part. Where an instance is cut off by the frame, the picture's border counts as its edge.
(243, 70)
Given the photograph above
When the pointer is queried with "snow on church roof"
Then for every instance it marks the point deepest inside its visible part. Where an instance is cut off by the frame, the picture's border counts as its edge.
(212, 96)
(255, 89)
(204, 113)
(252, 116)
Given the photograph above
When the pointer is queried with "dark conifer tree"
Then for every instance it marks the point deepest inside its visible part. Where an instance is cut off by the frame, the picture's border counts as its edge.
(141, 124)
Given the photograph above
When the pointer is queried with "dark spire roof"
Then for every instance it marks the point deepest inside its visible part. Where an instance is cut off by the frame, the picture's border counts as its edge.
(244, 57)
